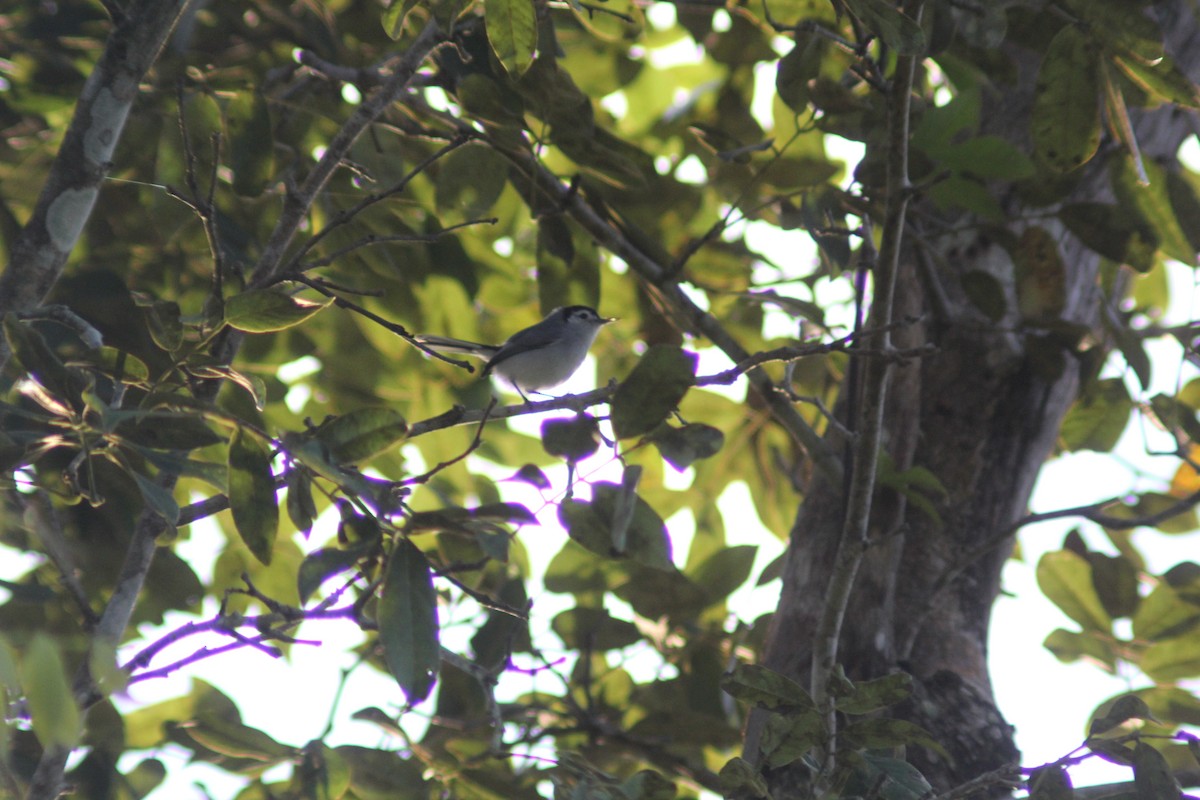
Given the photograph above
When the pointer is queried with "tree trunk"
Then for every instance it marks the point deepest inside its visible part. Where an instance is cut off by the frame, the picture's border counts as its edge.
(982, 414)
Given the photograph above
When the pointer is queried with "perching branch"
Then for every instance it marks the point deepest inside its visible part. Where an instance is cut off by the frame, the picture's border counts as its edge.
(683, 308)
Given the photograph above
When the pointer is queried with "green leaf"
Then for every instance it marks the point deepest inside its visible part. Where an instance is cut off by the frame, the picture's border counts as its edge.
(1113, 232)
(1152, 202)
(117, 364)
(988, 158)
(724, 571)
(470, 180)
(157, 498)
(1098, 419)
(234, 739)
(680, 447)
(1164, 614)
(1065, 119)
(1171, 660)
(766, 688)
(801, 65)
(512, 31)
(1164, 79)
(252, 493)
(573, 439)
(1050, 783)
(575, 570)
(1115, 579)
(1070, 646)
(787, 738)
(56, 718)
(873, 695)
(593, 629)
(880, 732)
(35, 355)
(1152, 775)
(267, 310)
(408, 624)
(985, 293)
(320, 565)
(739, 778)
(901, 32)
(1123, 27)
(653, 390)
(1066, 580)
(301, 508)
(363, 433)
(592, 525)
(394, 16)
(251, 146)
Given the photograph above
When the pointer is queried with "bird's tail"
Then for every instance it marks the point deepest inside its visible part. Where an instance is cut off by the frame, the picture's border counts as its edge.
(447, 344)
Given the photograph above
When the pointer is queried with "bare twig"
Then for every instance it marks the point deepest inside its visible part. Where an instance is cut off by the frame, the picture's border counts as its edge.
(271, 263)
(46, 524)
(348, 214)
(861, 491)
(369, 241)
(322, 286)
(471, 448)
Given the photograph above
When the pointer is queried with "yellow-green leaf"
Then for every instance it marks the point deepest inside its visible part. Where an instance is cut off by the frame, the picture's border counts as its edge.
(1065, 119)
(56, 718)
(1066, 579)
(266, 310)
(512, 31)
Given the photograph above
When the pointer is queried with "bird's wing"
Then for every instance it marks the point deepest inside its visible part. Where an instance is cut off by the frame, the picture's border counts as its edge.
(520, 342)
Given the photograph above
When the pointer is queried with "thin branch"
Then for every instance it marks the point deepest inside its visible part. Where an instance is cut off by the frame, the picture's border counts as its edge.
(48, 528)
(869, 429)
(673, 298)
(1007, 777)
(322, 286)
(349, 214)
(371, 240)
(471, 448)
(271, 264)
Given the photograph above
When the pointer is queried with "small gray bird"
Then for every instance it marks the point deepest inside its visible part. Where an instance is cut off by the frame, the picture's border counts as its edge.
(540, 357)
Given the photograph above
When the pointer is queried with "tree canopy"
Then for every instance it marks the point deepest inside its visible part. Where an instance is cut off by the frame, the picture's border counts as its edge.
(227, 226)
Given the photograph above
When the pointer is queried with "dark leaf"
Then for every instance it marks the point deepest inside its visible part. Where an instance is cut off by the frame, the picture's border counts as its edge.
(408, 625)
(766, 688)
(252, 493)
(321, 565)
(682, 446)
(593, 629)
(653, 390)
(573, 439)
(363, 433)
(251, 146)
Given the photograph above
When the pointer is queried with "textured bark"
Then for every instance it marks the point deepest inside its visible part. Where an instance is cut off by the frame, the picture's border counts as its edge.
(982, 414)
(38, 255)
